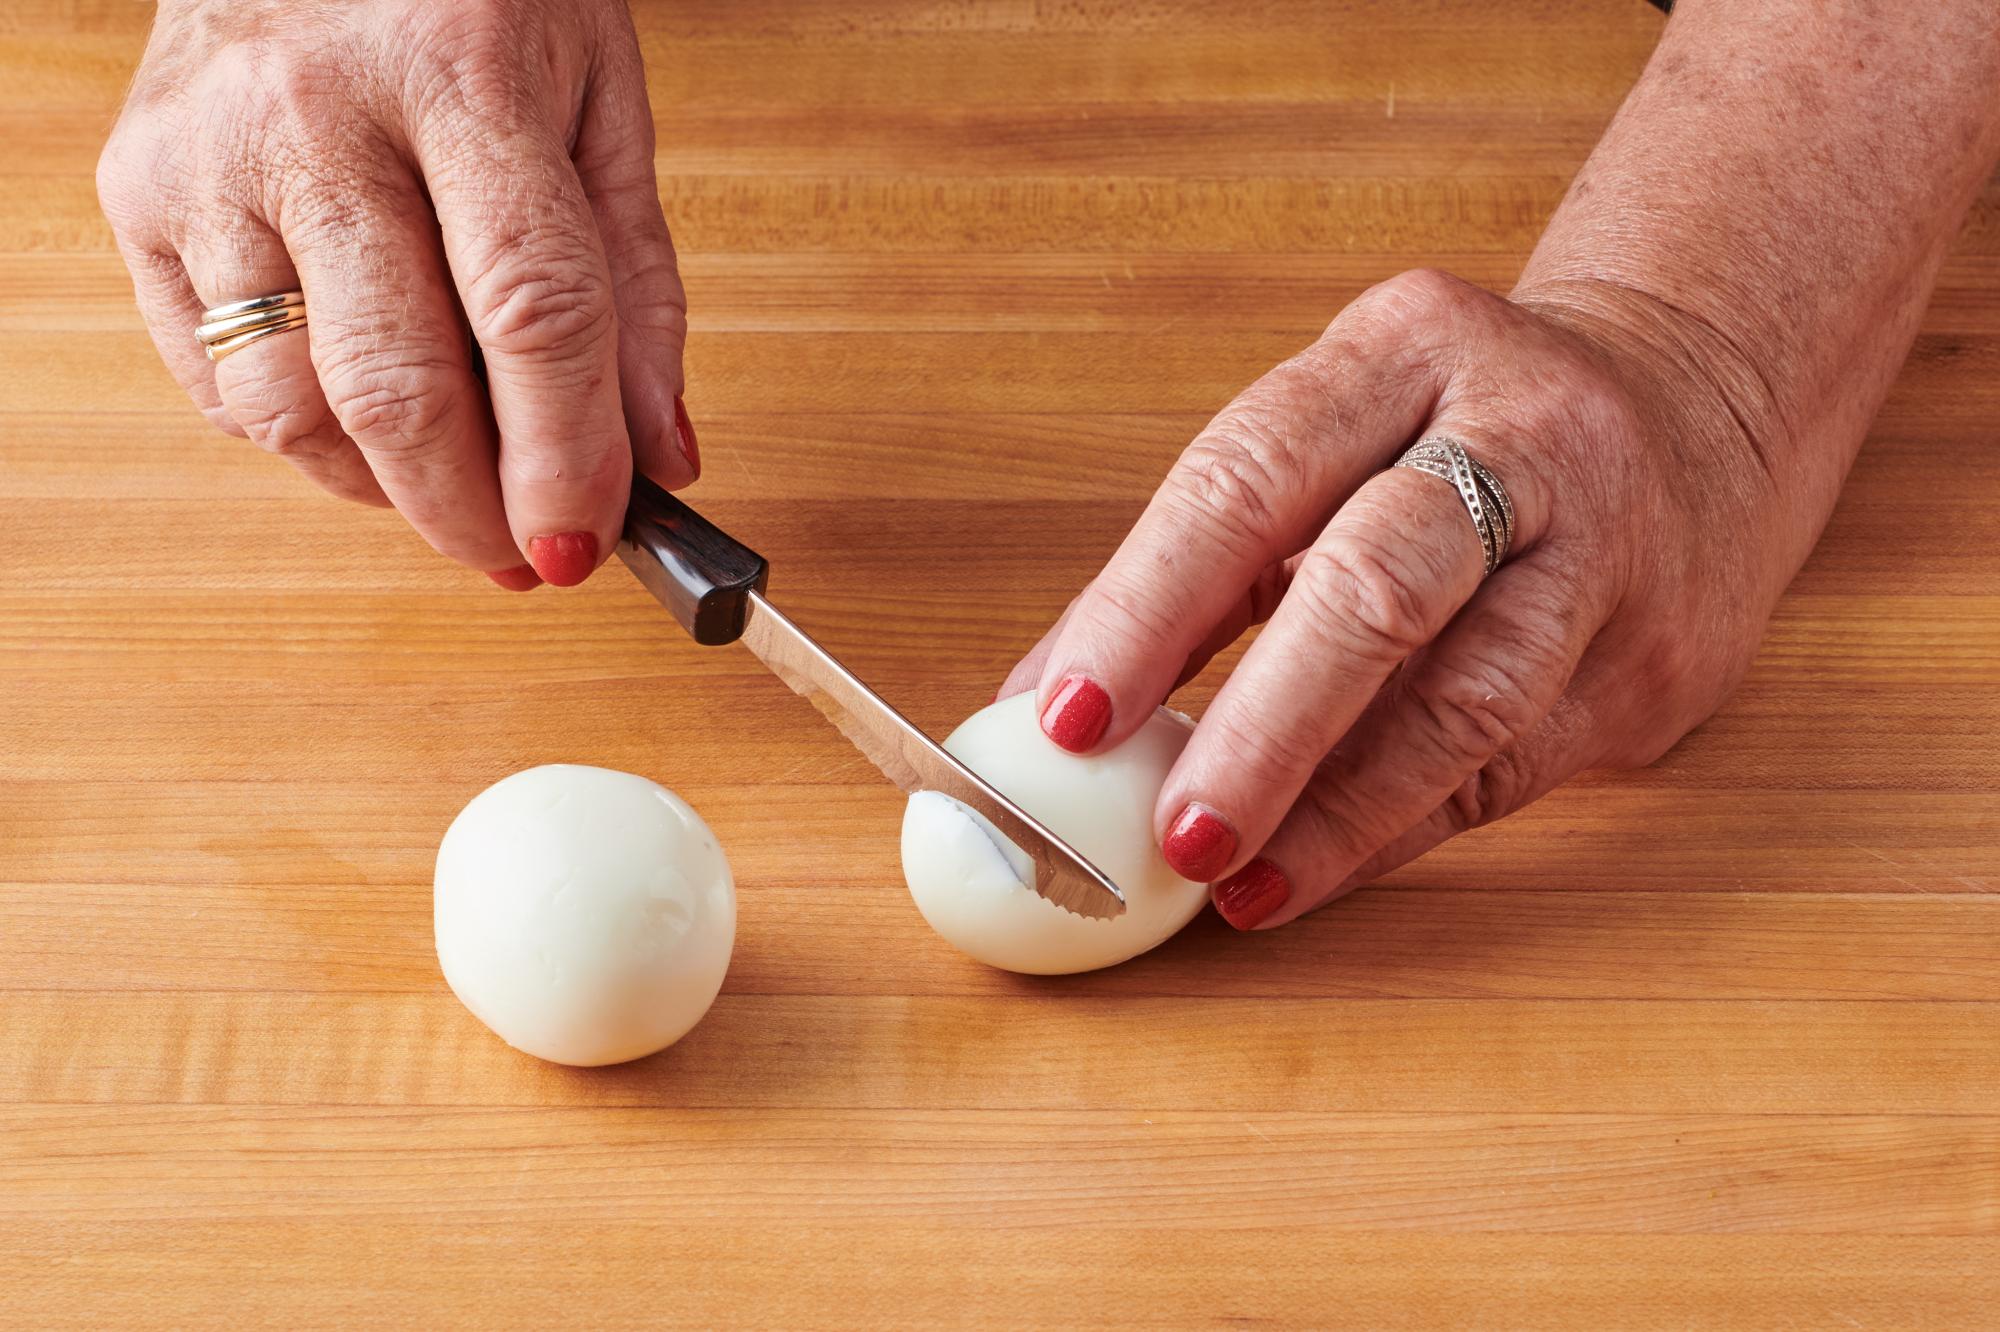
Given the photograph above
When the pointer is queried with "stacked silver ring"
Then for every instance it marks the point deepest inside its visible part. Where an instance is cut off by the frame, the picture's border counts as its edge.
(1485, 498)
(232, 327)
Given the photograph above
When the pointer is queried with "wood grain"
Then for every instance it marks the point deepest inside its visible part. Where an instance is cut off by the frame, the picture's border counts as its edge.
(931, 1275)
(1713, 1044)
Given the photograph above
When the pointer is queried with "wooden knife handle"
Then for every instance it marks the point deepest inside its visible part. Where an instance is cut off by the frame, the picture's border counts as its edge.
(697, 570)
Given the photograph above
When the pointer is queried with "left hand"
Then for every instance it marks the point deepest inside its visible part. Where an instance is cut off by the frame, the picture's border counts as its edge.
(1398, 696)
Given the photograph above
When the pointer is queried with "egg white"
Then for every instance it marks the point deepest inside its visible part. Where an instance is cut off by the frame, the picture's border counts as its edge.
(970, 882)
(586, 916)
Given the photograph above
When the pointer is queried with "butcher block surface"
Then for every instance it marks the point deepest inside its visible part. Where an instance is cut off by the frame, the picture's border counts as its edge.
(1715, 1043)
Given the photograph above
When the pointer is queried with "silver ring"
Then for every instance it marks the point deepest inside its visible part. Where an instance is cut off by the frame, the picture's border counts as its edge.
(1485, 499)
(234, 326)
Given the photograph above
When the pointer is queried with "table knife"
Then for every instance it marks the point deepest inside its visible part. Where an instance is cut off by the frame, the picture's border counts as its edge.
(714, 585)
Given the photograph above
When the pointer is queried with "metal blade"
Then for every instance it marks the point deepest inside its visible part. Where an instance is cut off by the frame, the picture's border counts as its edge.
(915, 762)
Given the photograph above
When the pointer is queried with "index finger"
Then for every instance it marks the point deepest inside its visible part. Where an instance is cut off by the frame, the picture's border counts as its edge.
(1252, 490)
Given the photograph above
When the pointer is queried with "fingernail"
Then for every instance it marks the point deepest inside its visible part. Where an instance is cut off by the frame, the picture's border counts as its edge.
(520, 578)
(684, 428)
(1199, 843)
(1077, 713)
(564, 559)
(1248, 897)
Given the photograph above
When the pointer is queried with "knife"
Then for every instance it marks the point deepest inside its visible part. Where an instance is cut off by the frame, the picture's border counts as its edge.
(714, 585)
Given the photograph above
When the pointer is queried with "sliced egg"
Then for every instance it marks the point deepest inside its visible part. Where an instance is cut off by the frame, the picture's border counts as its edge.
(971, 883)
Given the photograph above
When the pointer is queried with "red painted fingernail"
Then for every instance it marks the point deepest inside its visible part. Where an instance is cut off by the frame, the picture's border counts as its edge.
(1199, 844)
(520, 578)
(1248, 897)
(1077, 713)
(564, 559)
(684, 428)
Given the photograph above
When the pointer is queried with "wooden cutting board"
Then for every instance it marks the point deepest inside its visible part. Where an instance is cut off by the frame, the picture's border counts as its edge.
(1713, 1043)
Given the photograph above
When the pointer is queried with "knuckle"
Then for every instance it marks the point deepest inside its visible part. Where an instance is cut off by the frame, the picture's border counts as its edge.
(474, 33)
(259, 93)
(1144, 620)
(1364, 596)
(479, 57)
(1269, 751)
(1230, 482)
(1497, 789)
(661, 308)
(292, 432)
(284, 82)
(394, 408)
(243, 61)
(129, 178)
(1414, 321)
(113, 178)
(1475, 709)
(1428, 286)
(545, 298)
(1421, 293)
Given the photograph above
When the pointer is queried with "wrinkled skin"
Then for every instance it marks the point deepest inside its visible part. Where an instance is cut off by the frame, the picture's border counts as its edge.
(1672, 395)
(1396, 696)
(399, 160)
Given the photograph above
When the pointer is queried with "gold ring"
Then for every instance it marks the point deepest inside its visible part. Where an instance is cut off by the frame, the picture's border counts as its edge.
(217, 350)
(234, 326)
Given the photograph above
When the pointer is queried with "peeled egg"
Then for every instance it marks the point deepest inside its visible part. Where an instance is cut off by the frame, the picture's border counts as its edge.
(971, 883)
(585, 915)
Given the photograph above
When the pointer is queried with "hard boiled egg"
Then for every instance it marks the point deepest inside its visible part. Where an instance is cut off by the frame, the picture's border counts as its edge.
(971, 883)
(585, 915)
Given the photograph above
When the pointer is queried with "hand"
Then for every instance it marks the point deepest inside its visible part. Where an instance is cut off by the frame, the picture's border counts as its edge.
(399, 161)
(1397, 696)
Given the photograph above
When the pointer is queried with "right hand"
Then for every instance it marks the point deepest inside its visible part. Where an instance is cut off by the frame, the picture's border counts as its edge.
(400, 161)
